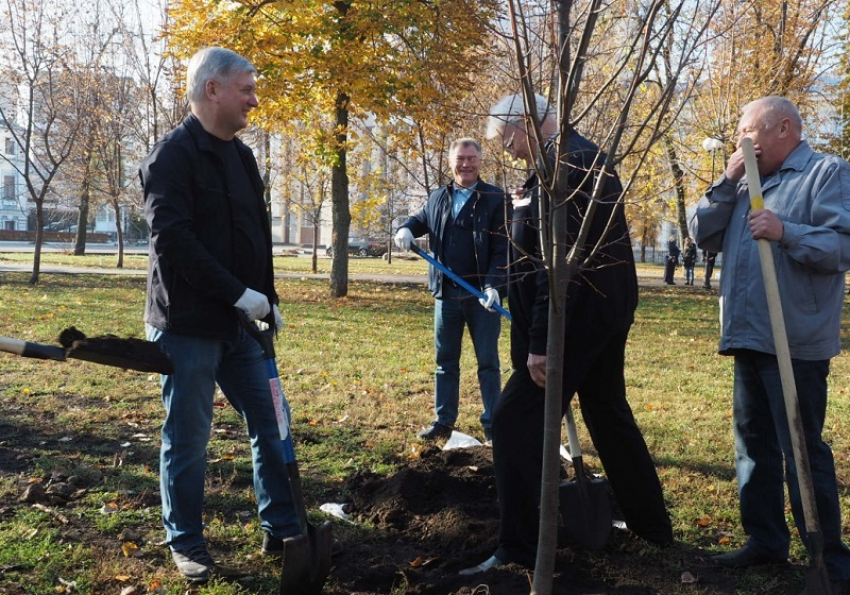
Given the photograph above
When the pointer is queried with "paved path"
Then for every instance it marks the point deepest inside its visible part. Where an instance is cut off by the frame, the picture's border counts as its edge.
(645, 279)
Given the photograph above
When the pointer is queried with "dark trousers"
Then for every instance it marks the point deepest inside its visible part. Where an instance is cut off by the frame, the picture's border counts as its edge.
(670, 269)
(594, 370)
(763, 443)
(709, 271)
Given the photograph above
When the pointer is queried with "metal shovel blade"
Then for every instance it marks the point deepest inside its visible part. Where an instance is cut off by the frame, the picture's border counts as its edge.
(307, 561)
(586, 512)
(817, 577)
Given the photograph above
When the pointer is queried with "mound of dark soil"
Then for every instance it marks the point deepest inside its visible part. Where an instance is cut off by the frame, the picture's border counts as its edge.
(438, 514)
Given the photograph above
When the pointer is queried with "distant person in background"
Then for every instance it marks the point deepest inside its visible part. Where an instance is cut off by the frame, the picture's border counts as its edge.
(708, 259)
(465, 223)
(689, 260)
(671, 261)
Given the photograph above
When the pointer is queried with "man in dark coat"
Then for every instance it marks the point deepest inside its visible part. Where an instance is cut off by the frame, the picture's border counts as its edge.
(600, 306)
(465, 223)
(211, 257)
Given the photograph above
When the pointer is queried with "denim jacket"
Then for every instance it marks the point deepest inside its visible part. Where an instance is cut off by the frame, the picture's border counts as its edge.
(810, 194)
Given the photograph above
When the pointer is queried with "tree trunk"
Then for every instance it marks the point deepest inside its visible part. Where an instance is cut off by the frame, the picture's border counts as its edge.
(119, 232)
(339, 197)
(39, 239)
(678, 185)
(560, 273)
(82, 218)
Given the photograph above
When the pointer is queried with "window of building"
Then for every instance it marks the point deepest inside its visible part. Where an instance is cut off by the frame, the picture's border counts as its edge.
(10, 146)
(9, 187)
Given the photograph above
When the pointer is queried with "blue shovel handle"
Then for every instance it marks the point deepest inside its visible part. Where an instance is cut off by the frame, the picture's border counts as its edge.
(476, 292)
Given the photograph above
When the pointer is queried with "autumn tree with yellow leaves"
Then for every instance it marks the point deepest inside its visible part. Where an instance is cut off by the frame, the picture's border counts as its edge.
(342, 59)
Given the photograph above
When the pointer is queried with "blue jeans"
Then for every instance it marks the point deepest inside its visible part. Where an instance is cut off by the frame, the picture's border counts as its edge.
(239, 369)
(451, 313)
(762, 438)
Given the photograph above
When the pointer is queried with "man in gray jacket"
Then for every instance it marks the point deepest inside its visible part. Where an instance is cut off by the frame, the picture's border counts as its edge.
(807, 221)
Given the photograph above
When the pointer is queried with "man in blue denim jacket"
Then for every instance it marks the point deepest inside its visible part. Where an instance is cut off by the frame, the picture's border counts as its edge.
(807, 221)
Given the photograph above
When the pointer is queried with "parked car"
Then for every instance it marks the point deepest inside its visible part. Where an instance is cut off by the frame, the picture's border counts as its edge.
(362, 247)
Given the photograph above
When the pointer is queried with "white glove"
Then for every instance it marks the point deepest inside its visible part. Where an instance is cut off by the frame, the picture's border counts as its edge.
(491, 296)
(254, 304)
(403, 238)
(278, 319)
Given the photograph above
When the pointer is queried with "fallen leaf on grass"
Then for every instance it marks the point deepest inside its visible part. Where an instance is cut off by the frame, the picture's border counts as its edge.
(705, 521)
(109, 508)
(688, 578)
(129, 549)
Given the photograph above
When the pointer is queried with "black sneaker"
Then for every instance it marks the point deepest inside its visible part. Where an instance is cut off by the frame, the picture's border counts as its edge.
(194, 563)
(272, 546)
(745, 557)
(437, 431)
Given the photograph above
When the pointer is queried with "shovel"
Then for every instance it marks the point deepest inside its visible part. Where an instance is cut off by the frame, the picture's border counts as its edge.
(817, 578)
(109, 350)
(585, 502)
(454, 277)
(307, 558)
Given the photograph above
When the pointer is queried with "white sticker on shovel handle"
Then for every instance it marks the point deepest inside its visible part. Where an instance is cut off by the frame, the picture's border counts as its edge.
(280, 412)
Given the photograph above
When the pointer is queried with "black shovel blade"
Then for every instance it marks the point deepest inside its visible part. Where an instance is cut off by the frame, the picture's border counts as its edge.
(817, 581)
(817, 577)
(307, 561)
(586, 512)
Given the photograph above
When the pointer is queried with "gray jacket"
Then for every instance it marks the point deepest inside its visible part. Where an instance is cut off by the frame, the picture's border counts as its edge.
(811, 195)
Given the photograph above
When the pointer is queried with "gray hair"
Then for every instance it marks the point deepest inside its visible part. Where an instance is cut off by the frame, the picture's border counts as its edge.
(213, 63)
(511, 109)
(463, 143)
(776, 108)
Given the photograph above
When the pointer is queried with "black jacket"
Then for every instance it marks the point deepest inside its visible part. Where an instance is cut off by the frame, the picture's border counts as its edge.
(489, 233)
(689, 258)
(604, 295)
(192, 284)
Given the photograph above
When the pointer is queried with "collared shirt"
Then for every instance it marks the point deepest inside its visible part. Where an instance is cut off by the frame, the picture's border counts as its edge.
(459, 198)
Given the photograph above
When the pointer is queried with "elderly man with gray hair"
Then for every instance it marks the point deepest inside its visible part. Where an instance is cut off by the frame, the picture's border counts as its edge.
(806, 219)
(600, 306)
(210, 257)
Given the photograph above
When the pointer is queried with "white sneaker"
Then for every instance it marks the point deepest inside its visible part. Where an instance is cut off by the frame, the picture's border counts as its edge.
(195, 563)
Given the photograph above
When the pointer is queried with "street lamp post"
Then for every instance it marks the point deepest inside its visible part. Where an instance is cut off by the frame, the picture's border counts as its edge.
(712, 145)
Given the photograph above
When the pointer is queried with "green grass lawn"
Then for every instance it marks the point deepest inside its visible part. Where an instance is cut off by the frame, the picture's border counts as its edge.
(358, 372)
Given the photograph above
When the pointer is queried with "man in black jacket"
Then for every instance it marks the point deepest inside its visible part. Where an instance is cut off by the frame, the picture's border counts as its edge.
(211, 255)
(465, 223)
(600, 306)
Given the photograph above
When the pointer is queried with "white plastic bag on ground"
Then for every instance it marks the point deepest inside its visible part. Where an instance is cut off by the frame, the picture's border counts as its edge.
(460, 440)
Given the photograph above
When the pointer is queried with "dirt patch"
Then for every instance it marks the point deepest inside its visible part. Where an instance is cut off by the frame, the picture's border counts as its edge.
(438, 514)
(413, 531)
